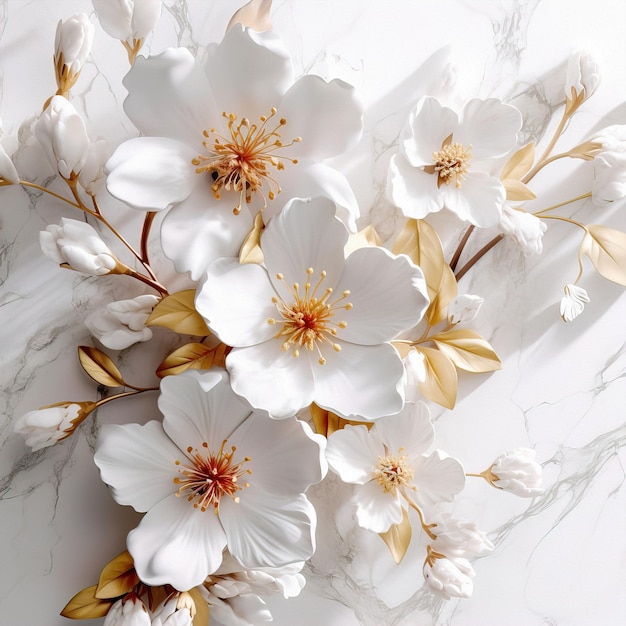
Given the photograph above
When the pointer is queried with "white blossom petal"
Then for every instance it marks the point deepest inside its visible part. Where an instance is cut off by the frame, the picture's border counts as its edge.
(410, 431)
(479, 199)
(377, 509)
(438, 477)
(352, 453)
(573, 302)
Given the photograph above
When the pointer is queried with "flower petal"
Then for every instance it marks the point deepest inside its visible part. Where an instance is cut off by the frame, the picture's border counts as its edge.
(388, 294)
(236, 301)
(151, 173)
(137, 462)
(478, 200)
(410, 430)
(176, 544)
(326, 115)
(360, 382)
(377, 509)
(352, 452)
(438, 478)
(268, 530)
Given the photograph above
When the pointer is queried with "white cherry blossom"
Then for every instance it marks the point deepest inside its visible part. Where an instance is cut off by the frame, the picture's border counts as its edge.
(449, 577)
(582, 77)
(517, 471)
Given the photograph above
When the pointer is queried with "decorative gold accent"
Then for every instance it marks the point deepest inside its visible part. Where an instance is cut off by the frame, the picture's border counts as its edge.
(517, 191)
(255, 14)
(178, 313)
(202, 615)
(118, 577)
(250, 251)
(467, 350)
(85, 605)
(451, 163)
(132, 50)
(489, 476)
(100, 367)
(519, 163)
(441, 381)
(606, 249)
(327, 422)
(65, 78)
(398, 537)
(193, 356)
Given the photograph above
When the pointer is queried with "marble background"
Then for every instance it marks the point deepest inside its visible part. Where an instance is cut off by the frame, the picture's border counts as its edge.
(559, 559)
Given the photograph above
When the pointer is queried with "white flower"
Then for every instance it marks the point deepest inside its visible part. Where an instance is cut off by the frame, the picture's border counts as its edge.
(128, 20)
(224, 135)
(72, 46)
(312, 323)
(46, 426)
(459, 538)
(390, 468)
(171, 612)
(63, 136)
(464, 308)
(213, 475)
(122, 324)
(78, 245)
(129, 611)
(415, 367)
(525, 228)
(582, 78)
(608, 148)
(8, 173)
(91, 174)
(573, 302)
(517, 471)
(445, 161)
(449, 578)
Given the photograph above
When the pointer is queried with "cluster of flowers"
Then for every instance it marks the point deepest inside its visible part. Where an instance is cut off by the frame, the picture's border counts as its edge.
(299, 316)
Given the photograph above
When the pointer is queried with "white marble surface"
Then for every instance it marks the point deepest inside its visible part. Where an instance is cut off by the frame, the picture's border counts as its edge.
(559, 559)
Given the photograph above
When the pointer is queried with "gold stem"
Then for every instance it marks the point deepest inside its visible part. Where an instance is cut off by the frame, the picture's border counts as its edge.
(145, 235)
(457, 254)
(481, 253)
(125, 394)
(52, 193)
(560, 204)
(425, 527)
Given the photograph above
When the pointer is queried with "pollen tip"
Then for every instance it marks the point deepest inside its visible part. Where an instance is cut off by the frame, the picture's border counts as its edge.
(322, 361)
(279, 276)
(296, 354)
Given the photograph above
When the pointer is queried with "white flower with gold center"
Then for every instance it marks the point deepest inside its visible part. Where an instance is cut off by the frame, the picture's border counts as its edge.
(390, 468)
(215, 474)
(446, 161)
(226, 137)
(312, 325)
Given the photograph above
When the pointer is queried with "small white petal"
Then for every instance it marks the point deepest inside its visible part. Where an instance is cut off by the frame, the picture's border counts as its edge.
(377, 509)
(438, 477)
(479, 199)
(573, 302)
(352, 453)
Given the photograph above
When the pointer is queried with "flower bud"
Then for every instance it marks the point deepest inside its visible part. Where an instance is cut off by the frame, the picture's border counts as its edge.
(92, 175)
(46, 426)
(8, 173)
(582, 78)
(608, 151)
(459, 538)
(128, 20)
(573, 302)
(464, 308)
(176, 610)
(63, 136)
(525, 228)
(129, 611)
(72, 46)
(77, 245)
(122, 324)
(449, 577)
(517, 471)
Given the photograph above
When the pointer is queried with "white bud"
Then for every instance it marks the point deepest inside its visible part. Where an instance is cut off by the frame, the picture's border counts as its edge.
(609, 165)
(459, 537)
(573, 302)
(464, 308)
(79, 245)
(582, 77)
(129, 611)
(128, 20)
(63, 136)
(525, 228)
(8, 173)
(122, 324)
(92, 174)
(449, 577)
(168, 613)
(73, 41)
(517, 472)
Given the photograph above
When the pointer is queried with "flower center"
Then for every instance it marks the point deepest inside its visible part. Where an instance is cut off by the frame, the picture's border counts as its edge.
(308, 321)
(242, 160)
(207, 476)
(451, 163)
(392, 472)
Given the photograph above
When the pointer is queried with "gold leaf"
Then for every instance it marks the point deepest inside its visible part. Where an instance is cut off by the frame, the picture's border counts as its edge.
(201, 618)
(85, 605)
(446, 292)
(441, 381)
(255, 14)
(398, 537)
(118, 577)
(178, 313)
(467, 350)
(250, 251)
(100, 367)
(368, 237)
(517, 190)
(193, 356)
(327, 422)
(519, 163)
(606, 248)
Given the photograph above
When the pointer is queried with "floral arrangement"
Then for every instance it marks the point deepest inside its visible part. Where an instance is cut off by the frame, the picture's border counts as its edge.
(308, 349)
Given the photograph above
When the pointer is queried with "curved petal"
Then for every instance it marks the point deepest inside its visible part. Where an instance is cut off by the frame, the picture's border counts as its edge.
(151, 173)
(410, 430)
(438, 478)
(478, 200)
(285, 455)
(352, 452)
(236, 302)
(412, 190)
(202, 229)
(360, 382)
(306, 234)
(326, 115)
(489, 126)
(169, 96)
(388, 295)
(268, 530)
(200, 407)
(137, 462)
(271, 379)
(248, 72)
(377, 509)
(176, 544)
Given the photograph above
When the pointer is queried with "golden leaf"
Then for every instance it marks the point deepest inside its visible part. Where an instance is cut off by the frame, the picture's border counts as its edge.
(202, 616)
(441, 381)
(517, 191)
(178, 313)
(606, 248)
(519, 163)
(368, 237)
(446, 292)
(85, 605)
(100, 367)
(467, 350)
(327, 422)
(250, 251)
(117, 578)
(255, 14)
(193, 356)
(398, 537)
